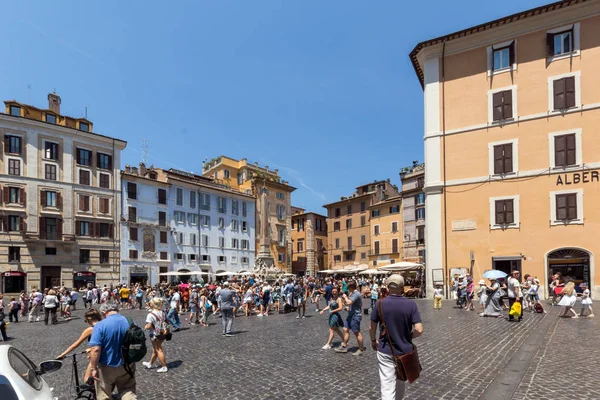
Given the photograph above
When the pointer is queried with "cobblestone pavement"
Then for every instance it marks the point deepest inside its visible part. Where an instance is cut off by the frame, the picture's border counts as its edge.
(279, 357)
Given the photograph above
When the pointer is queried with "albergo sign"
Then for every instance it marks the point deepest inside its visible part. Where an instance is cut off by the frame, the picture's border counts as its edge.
(578, 177)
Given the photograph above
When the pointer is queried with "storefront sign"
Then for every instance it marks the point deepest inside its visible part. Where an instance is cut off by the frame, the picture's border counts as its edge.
(81, 274)
(14, 273)
(578, 177)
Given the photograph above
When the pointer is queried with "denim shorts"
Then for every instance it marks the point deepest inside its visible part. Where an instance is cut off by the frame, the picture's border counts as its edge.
(353, 323)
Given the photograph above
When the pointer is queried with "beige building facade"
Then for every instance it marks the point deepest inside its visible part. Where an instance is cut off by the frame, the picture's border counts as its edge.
(309, 242)
(60, 200)
(512, 156)
(413, 213)
(386, 232)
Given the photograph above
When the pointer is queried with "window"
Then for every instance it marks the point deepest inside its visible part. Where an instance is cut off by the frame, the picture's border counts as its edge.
(104, 256)
(179, 217)
(179, 197)
(363, 240)
(420, 214)
(104, 161)
(245, 260)
(563, 42)
(337, 243)
(205, 258)
(363, 220)
(376, 247)
(162, 218)
(226, 174)
(564, 150)
(374, 213)
(234, 243)
(281, 257)
(244, 226)
(502, 105)
(336, 226)
(51, 151)
(221, 223)
(12, 144)
(205, 240)
(164, 255)
(564, 93)
(420, 199)
(281, 237)
(14, 167)
(394, 209)
(420, 235)
(84, 256)
(280, 196)
(22, 366)
(504, 213)
(205, 220)
(337, 258)
(376, 230)
(363, 206)
(503, 158)
(105, 181)
(192, 257)
(221, 241)
(394, 246)
(50, 251)
(84, 177)
(14, 195)
(205, 201)
(104, 205)
(235, 207)
(501, 58)
(179, 238)
(131, 191)
(84, 126)
(49, 199)
(131, 214)
(84, 157)
(51, 118)
(15, 223)
(300, 246)
(179, 256)
(133, 234)
(566, 207)
(221, 259)
(349, 241)
(162, 196)
(82, 228)
(133, 254)
(84, 203)
(280, 211)
(349, 209)
(15, 111)
(222, 204)
(163, 237)
(105, 230)
(244, 209)
(363, 256)
(234, 224)
(348, 223)
(192, 199)
(240, 178)
(193, 219)
(394, 227)
(245, 244)
(14, 254)
(338, 212)
(301, 224)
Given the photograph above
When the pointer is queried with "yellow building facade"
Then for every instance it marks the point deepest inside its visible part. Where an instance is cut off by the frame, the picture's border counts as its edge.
(250, 178)
(386, 232)
(512, 154)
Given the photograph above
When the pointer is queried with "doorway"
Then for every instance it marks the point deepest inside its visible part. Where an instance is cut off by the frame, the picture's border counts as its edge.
(507, 264)
(51, 277)
(573, 265)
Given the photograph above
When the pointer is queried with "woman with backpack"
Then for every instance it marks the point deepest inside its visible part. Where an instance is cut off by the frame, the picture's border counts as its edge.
(157, 327)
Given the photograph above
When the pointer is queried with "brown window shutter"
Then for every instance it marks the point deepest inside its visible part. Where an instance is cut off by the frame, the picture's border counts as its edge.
(57, 154)
(43, 198)
(498, 160)
(81, 203)
(550, 44)
(97, 160)
(507, 111)
(59, 229)
(509, 215)
(559, 94)
(109, 162)
(512, 54)
(87, 203)
(560, 150)
(497, 106)
(21, 224)
(111, 229)
(571, 151)
(22, 196)
(569, 91)
(78, 158)
(59, 200)
(6, 194)
(508, 162)
(42, 228)
(500, 212)
(77, 228)
(2, 191)
(561, 207)
(6, 143)
(572, 206)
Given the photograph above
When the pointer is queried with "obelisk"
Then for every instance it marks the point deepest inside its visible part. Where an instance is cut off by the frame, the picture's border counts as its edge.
(264, 260)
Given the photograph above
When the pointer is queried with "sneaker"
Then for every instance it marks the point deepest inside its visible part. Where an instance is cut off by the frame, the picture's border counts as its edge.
(326, 347)
(266, 315)
(260, 315)
(147, 364)
(228, 335)
(303, 316)
(358, 352)
(163, 369)
(341, 349)
(298, 317)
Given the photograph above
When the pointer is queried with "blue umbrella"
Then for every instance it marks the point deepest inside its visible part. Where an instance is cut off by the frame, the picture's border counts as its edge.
(494, 274)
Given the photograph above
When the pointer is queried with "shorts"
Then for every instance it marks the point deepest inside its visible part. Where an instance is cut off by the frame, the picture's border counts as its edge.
(301, 300)
(352, 323)
(124, 300)
(193, 309)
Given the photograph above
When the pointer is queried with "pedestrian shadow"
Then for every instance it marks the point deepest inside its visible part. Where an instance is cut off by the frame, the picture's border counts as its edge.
(187, 328)
(174, 364)
(238, 332)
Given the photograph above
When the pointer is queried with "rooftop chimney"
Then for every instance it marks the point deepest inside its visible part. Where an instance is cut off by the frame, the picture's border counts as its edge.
(54, 103)
(143, 169)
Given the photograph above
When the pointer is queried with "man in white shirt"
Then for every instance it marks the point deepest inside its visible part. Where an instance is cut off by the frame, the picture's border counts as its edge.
(514, 292)
(173, 315)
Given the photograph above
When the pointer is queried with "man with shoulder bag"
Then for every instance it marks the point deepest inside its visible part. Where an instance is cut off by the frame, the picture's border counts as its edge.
(397, 356)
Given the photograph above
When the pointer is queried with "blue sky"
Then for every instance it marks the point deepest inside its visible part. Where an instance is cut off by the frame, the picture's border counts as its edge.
(322, 90)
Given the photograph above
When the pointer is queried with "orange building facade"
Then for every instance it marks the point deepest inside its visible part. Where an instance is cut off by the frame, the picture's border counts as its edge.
(512, 153)
(309, 242)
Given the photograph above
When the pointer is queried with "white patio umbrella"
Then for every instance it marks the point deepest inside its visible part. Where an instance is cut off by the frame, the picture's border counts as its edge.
(326, 271)
(402, 266)
(197, 273)
(171, 273)
(373, 272)
(225, 273)
(245, 273)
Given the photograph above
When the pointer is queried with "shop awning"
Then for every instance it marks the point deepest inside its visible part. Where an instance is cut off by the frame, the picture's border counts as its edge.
(13, 273)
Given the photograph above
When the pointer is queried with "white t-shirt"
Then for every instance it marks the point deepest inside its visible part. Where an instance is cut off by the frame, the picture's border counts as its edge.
(156, 322)
(511, 285)
(175, 299)
(438, 292)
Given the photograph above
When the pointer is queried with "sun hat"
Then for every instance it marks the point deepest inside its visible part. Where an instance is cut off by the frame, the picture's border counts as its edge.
(482, 282)
(536, 281)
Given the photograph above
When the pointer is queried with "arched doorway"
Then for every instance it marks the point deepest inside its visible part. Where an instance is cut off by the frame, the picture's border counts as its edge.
(572, 263)
(184, 278)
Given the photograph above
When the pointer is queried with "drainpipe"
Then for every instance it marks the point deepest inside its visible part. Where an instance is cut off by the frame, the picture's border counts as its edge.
(444, 155)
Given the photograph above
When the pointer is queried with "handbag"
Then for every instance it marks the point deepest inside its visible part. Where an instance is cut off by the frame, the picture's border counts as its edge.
(408, 366)
(515, 310)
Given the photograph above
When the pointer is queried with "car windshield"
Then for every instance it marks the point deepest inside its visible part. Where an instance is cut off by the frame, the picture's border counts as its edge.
(25, 368)
(6, 390)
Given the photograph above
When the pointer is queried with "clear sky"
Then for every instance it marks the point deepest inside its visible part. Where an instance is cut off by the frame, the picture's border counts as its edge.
(322, 90)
